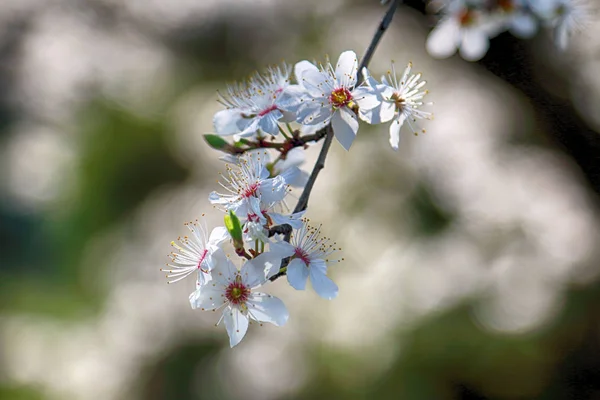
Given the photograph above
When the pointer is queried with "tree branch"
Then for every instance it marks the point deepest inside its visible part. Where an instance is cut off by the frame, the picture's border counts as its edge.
(328, 131)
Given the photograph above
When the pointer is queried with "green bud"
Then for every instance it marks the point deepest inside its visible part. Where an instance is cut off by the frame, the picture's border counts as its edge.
(234, 227)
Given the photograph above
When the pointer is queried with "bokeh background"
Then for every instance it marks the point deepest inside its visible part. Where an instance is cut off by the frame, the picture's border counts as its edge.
(471, 256)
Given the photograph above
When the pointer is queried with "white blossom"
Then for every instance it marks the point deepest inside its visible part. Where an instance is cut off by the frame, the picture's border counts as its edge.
(233, 291)
(398, 101)
(565, 16)
(464, 27)
(256, 105)
(195, 253)
(331, 96)
(310, 259)
(250, 178)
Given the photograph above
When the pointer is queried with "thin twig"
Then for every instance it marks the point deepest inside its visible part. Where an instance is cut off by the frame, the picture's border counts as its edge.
(328, 131)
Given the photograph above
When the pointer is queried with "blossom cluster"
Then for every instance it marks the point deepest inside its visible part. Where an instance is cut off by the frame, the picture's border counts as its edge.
(468, 25)
(260, 233)
(321, 95)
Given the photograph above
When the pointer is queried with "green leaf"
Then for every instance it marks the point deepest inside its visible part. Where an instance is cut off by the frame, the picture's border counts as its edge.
(216, 142)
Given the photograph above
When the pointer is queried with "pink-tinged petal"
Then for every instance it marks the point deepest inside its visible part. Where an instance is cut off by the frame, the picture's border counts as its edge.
(236, 324)
(444, 39)
(475, 44)
(395, 131)
(301, 67)
(208, 297)
(226, 121)
(297, 274)
(345, 126)
(320, 282)
(346, 68)
(266, 308)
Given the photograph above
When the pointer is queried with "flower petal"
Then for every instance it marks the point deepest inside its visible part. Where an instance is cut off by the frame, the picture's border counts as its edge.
(218, 236)
(236, 324)
(345, 126)
(208, 297)
(395, 131)
(297, 274)
(301, 67)
(444, 39)
(320, 282)
(263, 307)
(346, 68)
(225, 121)
(475, 44)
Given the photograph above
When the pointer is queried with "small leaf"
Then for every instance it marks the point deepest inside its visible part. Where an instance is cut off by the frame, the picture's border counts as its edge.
(216, 142)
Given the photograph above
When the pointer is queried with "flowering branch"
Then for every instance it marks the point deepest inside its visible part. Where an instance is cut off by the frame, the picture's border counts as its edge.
(254, 187)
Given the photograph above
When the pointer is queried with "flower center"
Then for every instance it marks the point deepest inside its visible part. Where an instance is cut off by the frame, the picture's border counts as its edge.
(237, 292)
(466, 17)
(506, 5)
(251, 190)
(267, 110)
(202, 257)
(398, 101)
(340, 97)
(301, 254)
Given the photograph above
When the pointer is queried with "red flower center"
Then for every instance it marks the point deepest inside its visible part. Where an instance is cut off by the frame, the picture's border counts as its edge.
(250, 190)
(340, 97)
(267, 110)
(466, 17)
(301, 254)
(237, 292)
(202, 257)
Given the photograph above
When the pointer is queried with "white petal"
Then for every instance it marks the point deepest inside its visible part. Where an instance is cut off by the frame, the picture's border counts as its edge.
(269, 122)
(282, 249)
(224, 272)
(297, 274)
(225, 121)
(475, 44)
(293, 219)
(395, 131)
(444, 39)
(346, 68)
(317, 83)
(301, 67)
(236, 324)
(218, 236)
(523, 25)
(255, 272)
(273, 190)
(561, 36)
(208, 297)
(290, 174)
(266, 308)
(320, 282)
(345, 126)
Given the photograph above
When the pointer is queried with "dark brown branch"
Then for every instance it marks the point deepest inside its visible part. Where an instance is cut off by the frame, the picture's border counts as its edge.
(328, 131)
